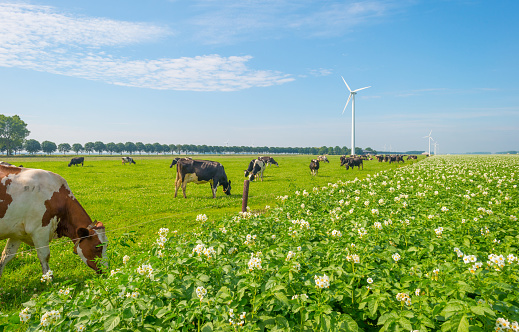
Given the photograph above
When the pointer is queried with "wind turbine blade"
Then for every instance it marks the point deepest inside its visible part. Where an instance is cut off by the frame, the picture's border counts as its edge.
(346, 104)
(362, 88)
(430, 132)
(346, 83)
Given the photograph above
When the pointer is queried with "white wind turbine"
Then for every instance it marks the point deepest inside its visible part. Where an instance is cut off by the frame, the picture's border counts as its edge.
(352, 97)
(435, 148)
(430, 139)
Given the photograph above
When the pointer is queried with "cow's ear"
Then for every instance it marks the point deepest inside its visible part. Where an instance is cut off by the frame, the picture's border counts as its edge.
(82, 232)
(229, 182)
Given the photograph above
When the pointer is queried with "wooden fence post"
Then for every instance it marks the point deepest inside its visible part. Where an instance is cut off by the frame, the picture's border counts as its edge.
(245, 197)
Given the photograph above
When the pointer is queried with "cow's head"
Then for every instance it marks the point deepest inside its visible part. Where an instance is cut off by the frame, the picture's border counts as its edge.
(91, 246)
(272, 161)
(251, 177)
(227, 189)
(174, 162)
(246, 173)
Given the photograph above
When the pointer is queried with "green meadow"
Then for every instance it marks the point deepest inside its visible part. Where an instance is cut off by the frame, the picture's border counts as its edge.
(134, 201)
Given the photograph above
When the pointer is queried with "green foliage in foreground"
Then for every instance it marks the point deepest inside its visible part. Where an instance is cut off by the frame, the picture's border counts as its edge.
(432, 246)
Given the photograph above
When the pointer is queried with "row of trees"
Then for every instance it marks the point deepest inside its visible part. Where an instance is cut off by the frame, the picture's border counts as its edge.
(32, 146)
(14, 132)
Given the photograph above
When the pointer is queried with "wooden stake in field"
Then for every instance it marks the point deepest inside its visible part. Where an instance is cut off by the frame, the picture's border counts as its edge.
(245, 197)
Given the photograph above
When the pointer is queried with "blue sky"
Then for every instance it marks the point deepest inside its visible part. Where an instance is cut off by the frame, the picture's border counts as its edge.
(264, 73)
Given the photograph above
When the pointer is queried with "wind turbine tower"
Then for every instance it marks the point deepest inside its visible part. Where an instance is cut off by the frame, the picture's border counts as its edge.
(430, 139)
(352, 97)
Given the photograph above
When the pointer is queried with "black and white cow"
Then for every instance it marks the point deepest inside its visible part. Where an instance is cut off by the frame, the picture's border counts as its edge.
(76, 161)
(351, 162)
(256, 166)
(200, 171)
(323, 158)
(128, 160)
(314, 167)
(37, 206)
(268, 160)
(395, 158)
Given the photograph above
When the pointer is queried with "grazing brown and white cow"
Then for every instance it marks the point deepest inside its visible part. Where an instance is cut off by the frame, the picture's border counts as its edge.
(256, 166)
(76, 161)
(37, 206)
(200, 171)
(128, 160)
(314, 167)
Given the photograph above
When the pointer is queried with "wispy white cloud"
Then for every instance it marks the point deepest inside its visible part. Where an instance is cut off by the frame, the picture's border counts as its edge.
(320, 72)
(43, 39)
(237, 19)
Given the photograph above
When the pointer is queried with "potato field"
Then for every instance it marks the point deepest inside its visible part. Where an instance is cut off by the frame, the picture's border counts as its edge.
(432, 246)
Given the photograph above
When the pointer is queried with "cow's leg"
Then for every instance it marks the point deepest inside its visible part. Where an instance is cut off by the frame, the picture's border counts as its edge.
(213, 189)
(43, 251)
(184, 189)
(9, 251)
(261, 174)
(178, 183)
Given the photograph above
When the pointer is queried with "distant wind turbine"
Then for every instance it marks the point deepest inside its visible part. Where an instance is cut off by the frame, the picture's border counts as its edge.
(430, 138)
(435, 148)
(352, 97)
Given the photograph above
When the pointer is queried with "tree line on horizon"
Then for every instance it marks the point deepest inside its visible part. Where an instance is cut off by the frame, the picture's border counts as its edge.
(14, 133)
(32, 146)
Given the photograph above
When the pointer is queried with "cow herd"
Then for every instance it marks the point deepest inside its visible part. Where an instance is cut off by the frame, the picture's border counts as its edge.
(348, 161)
(357, 161)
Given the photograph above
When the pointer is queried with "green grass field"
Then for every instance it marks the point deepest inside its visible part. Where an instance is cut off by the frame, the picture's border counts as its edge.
(134, 201)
